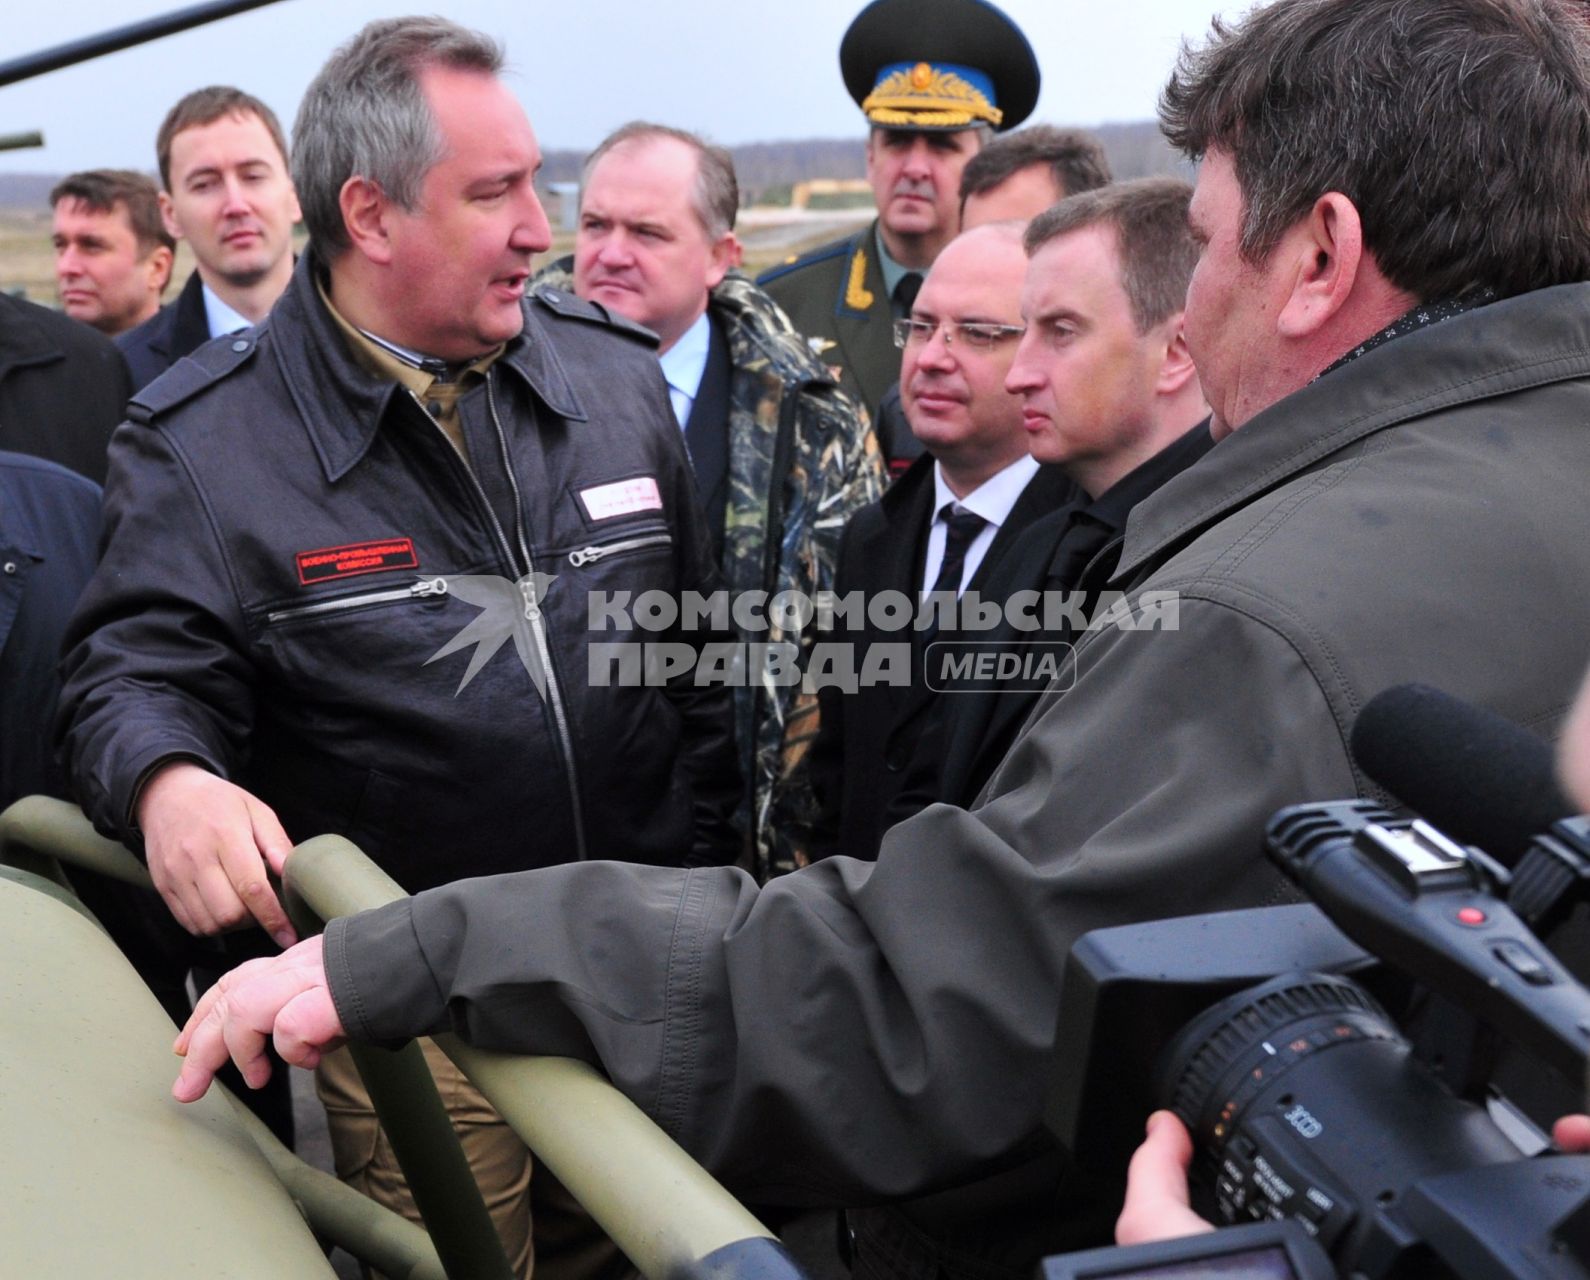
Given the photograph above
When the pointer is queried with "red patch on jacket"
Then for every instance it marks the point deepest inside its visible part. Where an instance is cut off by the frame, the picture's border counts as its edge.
(333, 563)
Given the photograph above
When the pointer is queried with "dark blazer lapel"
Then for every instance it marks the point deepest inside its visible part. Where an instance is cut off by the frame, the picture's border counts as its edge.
(190, 326)
(707, 437)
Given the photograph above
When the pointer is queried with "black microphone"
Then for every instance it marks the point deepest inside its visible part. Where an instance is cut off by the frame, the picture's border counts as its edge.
(1474, 774)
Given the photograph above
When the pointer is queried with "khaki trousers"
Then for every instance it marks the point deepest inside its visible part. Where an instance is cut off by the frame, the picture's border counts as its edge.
(566, 1245)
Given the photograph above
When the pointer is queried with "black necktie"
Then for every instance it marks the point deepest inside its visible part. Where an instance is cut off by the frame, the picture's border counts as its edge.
(962, 529)
(1082, 540)
(905, 292)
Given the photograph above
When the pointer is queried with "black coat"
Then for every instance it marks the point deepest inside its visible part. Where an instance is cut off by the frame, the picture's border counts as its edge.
(295, 555)
(1064, 550)
(866, 737)
(63, 387)
(174, 331)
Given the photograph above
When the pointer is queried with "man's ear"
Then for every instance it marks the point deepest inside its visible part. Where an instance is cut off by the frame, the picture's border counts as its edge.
(158, 261)
(364, 216)
(1326, 251)
(1176, 367)
(168, 216)
(726, 254)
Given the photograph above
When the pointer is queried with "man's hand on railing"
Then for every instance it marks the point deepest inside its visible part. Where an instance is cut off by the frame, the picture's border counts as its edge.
(284, 997)
(208, 843)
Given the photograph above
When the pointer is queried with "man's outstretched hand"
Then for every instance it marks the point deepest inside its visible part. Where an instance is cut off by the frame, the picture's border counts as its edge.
(285, 997)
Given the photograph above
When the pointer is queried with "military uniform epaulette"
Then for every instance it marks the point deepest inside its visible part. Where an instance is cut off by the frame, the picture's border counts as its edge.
(210, 364)
(836, 249)
(562, 302)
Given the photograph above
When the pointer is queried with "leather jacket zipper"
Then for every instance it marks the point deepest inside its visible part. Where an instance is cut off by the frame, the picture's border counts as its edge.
(590, 555)
(419, 591)
(538, 631)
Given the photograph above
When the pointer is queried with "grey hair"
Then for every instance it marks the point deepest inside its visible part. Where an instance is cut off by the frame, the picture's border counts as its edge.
(365, 115)
(715, 195)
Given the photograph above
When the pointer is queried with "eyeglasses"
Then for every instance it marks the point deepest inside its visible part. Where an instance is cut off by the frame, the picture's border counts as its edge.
(973, 333)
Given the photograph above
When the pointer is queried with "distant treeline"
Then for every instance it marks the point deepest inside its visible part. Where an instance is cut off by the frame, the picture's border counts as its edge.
(1135, 150)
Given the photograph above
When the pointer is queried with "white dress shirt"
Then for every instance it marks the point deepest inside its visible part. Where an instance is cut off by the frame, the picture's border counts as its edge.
(992, 500)
(220, 317)
(684, 364)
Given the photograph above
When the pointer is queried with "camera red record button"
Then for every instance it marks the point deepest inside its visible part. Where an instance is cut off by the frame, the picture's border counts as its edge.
(1471, 915)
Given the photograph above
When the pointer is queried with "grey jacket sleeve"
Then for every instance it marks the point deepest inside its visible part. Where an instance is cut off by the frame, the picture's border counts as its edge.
(910, 1043)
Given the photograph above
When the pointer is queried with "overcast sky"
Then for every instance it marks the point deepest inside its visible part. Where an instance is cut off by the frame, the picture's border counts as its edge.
(739, 70)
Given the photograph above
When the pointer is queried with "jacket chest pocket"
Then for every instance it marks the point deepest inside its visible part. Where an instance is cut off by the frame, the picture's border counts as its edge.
(425, 589)
(631, 544)
(340, 649)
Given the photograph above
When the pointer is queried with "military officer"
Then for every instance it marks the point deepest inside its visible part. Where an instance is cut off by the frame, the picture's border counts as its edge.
(935, 79)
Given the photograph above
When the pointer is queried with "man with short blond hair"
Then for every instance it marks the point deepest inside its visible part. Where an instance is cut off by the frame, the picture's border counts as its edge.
(226, 190)
(113, 253)
(1110, 396)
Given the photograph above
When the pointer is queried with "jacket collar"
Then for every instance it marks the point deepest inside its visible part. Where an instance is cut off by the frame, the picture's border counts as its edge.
(1521, 342)
(342, 406)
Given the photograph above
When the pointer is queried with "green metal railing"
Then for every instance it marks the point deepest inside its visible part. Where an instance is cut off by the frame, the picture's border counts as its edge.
(662, 1209)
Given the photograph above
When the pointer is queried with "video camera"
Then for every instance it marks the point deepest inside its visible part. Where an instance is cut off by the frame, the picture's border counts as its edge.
(1360, 1143)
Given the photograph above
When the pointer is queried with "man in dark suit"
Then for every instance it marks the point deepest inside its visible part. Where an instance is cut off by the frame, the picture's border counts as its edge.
(227, 192)
(939, 530)
(1110, 395)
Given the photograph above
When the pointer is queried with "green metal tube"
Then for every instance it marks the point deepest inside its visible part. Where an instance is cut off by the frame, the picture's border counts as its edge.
(404, 1094)
(36, 829)
(661, 1208)
(375, 1235)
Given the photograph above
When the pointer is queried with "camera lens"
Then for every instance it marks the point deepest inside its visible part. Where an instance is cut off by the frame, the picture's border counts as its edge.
(1306, 1102)
(1236, 1048)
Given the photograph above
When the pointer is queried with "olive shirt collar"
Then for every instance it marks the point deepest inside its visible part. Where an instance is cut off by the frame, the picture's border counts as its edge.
(341, 403)
(438, 395)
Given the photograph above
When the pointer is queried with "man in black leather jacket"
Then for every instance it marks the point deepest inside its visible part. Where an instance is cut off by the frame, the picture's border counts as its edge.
(322, 533)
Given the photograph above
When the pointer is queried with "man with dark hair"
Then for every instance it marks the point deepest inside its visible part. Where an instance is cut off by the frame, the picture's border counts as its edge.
(227, 192)
(935, 79)
(304, 522)
(782, 457)
(1110, 395)
(1390, 316)
(1021, 174)
(112, 252)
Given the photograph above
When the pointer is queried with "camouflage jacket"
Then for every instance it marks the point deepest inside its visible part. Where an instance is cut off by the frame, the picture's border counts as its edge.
(802, 460)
